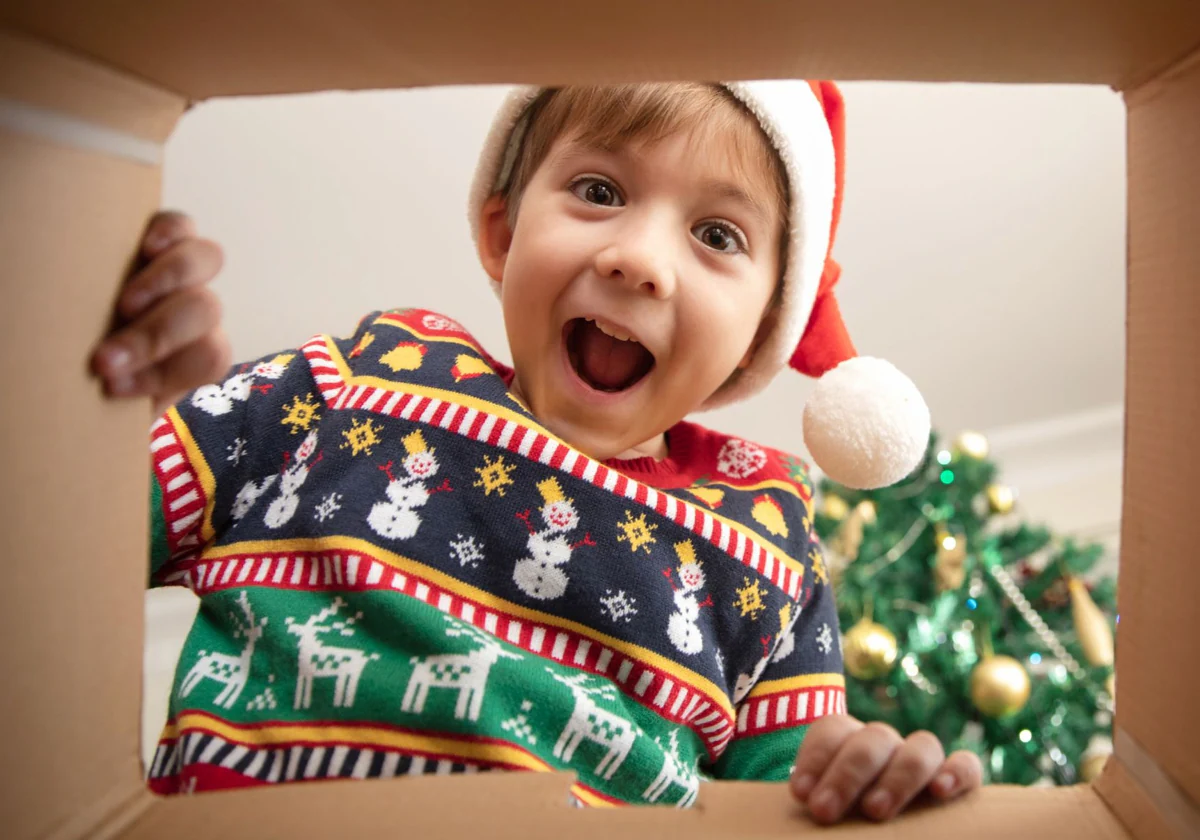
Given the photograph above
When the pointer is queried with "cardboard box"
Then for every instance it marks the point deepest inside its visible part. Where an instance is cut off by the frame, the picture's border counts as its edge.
(89, 92)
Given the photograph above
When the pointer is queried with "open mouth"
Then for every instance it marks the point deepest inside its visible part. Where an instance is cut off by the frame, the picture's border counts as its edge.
(605, 359)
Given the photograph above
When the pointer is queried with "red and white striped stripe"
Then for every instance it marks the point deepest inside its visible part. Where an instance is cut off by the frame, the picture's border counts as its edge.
(183, 497)
(786, 709)
(524, 441)
(668, 695)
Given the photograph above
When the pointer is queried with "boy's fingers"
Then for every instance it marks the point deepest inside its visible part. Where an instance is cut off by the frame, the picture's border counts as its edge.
(858, 763)
(164, 230)
(199, 363)
(170, 325)
(912, 767)
(821, 743)
(961, 772)
(183, 264)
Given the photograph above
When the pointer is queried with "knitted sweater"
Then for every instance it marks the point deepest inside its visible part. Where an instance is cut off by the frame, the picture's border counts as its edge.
(401, 572)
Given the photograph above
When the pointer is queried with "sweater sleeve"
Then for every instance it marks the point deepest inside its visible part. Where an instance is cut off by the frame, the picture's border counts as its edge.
(209, 461)
(802, 681)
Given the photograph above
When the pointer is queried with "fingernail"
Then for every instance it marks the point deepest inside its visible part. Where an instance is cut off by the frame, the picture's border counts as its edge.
(802, 785)
(157, 241)
(878, 804)
(825, 804)
(943, 784)
(121, 385)
(114, 359)
(137, 301)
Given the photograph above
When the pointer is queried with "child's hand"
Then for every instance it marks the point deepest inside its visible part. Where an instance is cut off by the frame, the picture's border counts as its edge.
(167, 339)
(843, 761)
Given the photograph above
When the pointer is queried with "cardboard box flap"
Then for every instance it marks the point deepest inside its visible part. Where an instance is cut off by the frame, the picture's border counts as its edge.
(1159, 643)
(205, 48)
(519, 805)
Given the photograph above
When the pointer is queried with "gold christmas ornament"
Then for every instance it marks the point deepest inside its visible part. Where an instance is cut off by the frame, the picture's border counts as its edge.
(972, 444)
(1001, 499)
(848, 539)
(949, 562)
(1094, 758)
(999, 686)
(869, 650)
(1091, 767)
(834, 507)
(1095, 635)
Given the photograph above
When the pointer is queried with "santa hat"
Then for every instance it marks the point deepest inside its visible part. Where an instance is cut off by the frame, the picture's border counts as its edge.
(866, 424)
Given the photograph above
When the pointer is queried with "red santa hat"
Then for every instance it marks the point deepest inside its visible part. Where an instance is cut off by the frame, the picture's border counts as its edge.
(865, 424)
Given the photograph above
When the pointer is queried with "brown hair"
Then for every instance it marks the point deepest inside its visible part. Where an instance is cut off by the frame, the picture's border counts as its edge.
(610, 116)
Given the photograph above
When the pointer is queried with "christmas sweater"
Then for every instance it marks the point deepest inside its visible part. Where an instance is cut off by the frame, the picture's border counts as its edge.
(401, 571)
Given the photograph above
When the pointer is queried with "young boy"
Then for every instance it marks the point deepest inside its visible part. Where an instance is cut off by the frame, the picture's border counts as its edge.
(413, 559)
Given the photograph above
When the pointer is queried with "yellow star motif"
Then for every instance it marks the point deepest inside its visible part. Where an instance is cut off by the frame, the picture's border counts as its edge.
(300, 414)
(361, 437)
(494, 475)
(637, 532)
(818, 566)
(750, 599)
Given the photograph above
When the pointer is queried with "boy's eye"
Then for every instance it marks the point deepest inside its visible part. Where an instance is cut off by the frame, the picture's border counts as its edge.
(720, 237)
(597, 191)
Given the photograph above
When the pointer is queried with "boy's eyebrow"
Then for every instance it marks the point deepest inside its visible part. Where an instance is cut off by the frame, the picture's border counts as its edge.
(734, 192)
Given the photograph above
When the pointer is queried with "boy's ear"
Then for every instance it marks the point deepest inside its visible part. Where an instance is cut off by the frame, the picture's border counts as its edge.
(769, 320)
(495, 237)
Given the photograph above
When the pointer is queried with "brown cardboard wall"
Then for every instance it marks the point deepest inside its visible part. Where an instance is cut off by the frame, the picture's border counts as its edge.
(1159, 637)
(72, 466)
(206, 48)
(75, 468)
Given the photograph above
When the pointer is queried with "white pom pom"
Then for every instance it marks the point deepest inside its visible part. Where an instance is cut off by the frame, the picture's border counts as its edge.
(866, 424)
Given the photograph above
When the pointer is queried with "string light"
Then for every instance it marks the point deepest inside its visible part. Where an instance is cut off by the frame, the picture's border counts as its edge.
(947, 476)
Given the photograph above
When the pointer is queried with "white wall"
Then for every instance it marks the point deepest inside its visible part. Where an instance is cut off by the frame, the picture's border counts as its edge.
(982, 240)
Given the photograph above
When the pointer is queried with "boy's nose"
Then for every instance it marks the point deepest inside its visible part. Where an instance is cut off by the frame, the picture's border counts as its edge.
(639, 263)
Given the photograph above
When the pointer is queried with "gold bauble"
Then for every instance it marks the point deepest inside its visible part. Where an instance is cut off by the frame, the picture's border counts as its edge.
(834, 507)
(949, 562)
(1092, 628)
(848, 539)
(972, 444)
(1091, 767)
(1001, 498)
(869, 650)
(999, 686)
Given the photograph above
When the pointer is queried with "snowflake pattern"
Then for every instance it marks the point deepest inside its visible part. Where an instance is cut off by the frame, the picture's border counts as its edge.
(825, 639)
(466, 551)
(440, 323)
(519, 725)
(637, 532)
(750, 599)
(494, 475)
(300, 414)
(328, 506)
(740, 459)
(818, 566)
(720, 657)
(361, 437)
(619, 606)
(236, 450)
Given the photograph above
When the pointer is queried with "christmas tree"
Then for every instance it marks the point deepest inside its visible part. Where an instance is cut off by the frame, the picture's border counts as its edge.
(962, 621)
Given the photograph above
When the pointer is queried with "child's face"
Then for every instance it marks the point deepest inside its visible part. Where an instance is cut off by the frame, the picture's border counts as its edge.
(669, 243)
